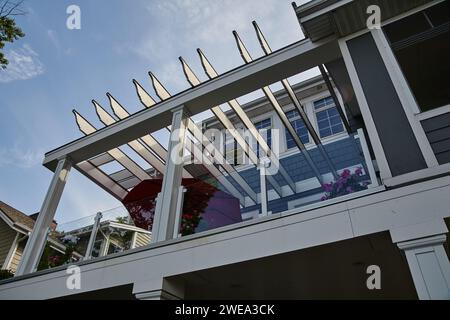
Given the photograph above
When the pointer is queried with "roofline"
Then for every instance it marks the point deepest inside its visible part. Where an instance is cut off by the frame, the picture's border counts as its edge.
(283, 63)
(18, 227)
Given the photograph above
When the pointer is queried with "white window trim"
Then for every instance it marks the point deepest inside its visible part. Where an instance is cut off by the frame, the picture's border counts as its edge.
(11, 252)
(433, 113)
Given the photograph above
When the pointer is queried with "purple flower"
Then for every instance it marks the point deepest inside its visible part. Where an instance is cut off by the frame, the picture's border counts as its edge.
(327, 187)
(358, 171)
(349, 189)
(346, 173)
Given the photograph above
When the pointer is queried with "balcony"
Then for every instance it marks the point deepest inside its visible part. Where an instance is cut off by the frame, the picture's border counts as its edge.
(326, 168)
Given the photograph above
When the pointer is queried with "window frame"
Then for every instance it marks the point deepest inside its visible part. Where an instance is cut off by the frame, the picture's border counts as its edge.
(297, 117)
(321, 109)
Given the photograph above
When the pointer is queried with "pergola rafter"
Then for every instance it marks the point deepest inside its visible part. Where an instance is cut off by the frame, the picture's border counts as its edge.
(148, 140)
(115, 153)
(222, 117)
(136, 145)
(148, 102)
(284, 119)
(300, 109)
(239, 111)
(163, 94)
(102, 179)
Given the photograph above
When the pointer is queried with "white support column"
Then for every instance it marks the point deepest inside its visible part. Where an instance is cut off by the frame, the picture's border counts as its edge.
(429, 266)
(263, 165)
(90, 245)
(31, 254)
(159, 289)
(165, 215)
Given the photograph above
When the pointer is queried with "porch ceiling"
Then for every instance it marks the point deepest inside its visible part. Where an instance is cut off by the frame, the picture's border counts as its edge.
(334, 18)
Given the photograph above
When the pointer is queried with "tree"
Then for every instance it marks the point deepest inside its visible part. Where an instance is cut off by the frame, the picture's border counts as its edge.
(9, 31)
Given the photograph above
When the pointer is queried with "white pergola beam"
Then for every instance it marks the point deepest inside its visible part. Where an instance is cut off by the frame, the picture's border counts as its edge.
(102, 179)
(122, 113)
(116, 153)
(209, 165)
(284, 119)
(283, 63)
(237, 108)
(136, 145)
(222, 117)
(162, 93)
(300, 109)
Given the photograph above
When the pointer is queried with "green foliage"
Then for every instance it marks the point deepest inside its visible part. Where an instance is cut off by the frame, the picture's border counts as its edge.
(123, 220)
(9, 31)
(6, 274)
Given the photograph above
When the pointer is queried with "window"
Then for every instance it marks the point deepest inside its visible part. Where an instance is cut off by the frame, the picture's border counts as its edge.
(233, 152)
(114, 248)
(300, 128)
(421, 44)
(328, 119)
(263, 127)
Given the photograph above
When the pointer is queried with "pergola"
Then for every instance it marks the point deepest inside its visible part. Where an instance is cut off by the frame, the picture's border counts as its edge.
(100, 146)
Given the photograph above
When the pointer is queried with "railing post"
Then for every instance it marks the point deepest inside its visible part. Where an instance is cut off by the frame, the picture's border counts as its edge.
(368, 159)
(179, 212)
(37, 240)
(41, 252)
(90, 245)
(165, 214)
(263, 165)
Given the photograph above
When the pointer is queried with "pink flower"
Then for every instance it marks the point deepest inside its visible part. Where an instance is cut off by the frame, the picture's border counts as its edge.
(327, 187)
(346, 173)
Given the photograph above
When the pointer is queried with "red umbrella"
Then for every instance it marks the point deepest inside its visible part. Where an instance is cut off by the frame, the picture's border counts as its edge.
(205, 207)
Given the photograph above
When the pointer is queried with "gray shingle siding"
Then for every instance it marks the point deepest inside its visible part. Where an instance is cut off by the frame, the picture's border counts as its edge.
(344, 153)
(437, 130)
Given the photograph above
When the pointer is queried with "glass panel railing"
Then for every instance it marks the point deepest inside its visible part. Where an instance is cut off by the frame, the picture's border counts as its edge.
(216, 198)
(207, 204)
(91, 237)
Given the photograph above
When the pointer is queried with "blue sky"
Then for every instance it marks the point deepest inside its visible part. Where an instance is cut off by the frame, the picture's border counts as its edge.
(53, 70)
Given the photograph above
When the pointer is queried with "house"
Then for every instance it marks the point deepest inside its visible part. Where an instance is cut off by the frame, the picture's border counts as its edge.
(320, 190)
(15, 228)
(110, 237)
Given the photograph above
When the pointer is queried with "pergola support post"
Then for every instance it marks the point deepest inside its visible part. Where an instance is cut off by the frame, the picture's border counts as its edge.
(263, 165)
(93, 235)
(165, 215)
(38, 237)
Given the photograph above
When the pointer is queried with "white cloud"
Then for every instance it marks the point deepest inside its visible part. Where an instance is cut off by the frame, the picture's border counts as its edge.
(23, 64)
(184, 25)
(20, 157)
